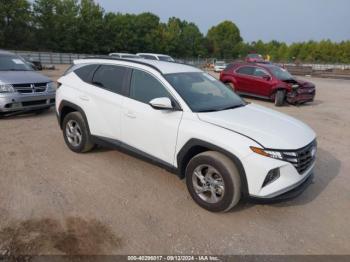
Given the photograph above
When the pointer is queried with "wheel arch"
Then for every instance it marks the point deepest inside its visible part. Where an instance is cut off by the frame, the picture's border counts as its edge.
(195, 146)
(65, 108)
(275, 89)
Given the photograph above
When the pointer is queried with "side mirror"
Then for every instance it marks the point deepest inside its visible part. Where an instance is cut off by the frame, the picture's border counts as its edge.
(161, 103)
(266, 77)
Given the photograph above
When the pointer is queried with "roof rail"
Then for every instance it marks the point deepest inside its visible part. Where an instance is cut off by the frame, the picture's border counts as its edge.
(106, 57)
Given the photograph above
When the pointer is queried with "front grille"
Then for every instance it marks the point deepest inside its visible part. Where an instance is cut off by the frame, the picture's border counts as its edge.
(30, 88)
(303, 158)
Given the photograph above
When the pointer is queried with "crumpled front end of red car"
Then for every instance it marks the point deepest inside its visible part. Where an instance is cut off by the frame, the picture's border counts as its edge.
(301, 94)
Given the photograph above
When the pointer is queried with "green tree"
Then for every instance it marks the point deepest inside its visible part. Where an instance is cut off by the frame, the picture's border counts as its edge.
(90, 29)
(224, 40)
(55, 24)
(15, 23)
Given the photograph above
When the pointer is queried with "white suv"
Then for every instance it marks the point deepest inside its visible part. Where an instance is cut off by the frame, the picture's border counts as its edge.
(186, 121)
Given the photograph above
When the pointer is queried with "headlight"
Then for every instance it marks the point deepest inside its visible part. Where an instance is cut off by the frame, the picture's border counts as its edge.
(268, 153)
(51, 87)
(6, 89)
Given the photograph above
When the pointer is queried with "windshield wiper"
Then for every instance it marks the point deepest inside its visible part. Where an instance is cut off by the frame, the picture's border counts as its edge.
(220, 109)
(207, 110)
(231, 107)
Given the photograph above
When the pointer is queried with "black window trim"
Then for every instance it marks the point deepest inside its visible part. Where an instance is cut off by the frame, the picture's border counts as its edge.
(127, 83)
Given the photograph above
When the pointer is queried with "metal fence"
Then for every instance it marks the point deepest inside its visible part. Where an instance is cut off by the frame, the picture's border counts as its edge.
(68, 58)
(50, 57)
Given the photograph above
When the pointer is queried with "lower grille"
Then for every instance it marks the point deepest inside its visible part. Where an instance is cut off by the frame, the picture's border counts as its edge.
(34, 103)
(303, 158)
(30, 88)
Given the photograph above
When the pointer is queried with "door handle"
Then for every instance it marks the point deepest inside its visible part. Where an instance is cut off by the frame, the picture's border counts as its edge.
(130, 114)
(84, 98)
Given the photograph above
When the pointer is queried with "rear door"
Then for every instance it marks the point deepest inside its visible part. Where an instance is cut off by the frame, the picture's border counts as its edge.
(103, 99)
(244, 79)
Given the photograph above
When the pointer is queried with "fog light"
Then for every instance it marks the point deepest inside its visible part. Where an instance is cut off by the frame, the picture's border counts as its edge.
(272, 175)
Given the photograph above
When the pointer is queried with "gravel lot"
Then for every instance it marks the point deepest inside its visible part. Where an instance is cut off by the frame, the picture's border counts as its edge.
(53, 201)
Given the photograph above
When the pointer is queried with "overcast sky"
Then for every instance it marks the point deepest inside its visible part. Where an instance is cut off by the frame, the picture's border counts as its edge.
(283, 20)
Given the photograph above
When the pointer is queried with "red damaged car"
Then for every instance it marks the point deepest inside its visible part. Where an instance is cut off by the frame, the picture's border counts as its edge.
(267, 81)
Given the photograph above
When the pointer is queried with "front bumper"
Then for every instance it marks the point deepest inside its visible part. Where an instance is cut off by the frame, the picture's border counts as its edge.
(295, 98)
(257, 167)
(292, 193)
(15, 102)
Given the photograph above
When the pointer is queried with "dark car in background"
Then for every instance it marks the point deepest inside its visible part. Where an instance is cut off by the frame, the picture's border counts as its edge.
(267, 81)
(21, 88)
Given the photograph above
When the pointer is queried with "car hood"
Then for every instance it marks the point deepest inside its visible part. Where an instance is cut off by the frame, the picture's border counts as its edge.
(269, 128)
(301, 83)
(22, 77)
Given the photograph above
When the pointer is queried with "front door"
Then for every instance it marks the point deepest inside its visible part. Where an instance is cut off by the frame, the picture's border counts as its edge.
(153, 132)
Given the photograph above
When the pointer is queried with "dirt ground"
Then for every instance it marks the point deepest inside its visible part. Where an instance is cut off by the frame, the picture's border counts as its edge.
(53, 201)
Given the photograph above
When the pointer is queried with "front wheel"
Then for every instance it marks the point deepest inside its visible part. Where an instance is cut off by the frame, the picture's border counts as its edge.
(213, 181)
(280, 97)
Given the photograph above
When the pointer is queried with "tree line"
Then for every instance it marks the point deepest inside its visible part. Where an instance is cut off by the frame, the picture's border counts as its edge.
(83, 26)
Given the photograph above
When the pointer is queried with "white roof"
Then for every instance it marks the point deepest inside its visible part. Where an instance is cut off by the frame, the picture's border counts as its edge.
(164, 67)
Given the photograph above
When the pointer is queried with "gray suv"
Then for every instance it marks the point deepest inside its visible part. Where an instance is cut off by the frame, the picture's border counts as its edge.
(21, 88)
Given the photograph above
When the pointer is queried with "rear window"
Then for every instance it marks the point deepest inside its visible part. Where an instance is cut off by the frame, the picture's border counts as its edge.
(85, 72)
(111, 78)
(246, 70)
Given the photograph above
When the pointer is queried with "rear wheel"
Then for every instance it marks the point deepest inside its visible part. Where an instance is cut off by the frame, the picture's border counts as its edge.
(76, 134)
(280, 97)
(213, 181)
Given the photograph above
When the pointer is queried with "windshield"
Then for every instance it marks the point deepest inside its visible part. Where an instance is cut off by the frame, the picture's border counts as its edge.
(166, 58)
(13, 63)
(281, 73)
(203, 93)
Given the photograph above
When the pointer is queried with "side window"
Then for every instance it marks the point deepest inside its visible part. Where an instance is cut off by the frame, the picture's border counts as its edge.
(85, 72)
(145, 87)
(111, 78)
(259, 72)
(246, 70)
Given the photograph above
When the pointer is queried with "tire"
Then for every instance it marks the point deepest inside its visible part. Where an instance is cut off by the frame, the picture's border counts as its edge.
(280, 97)
(227, 181)
(231, 86)
(76, 133)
